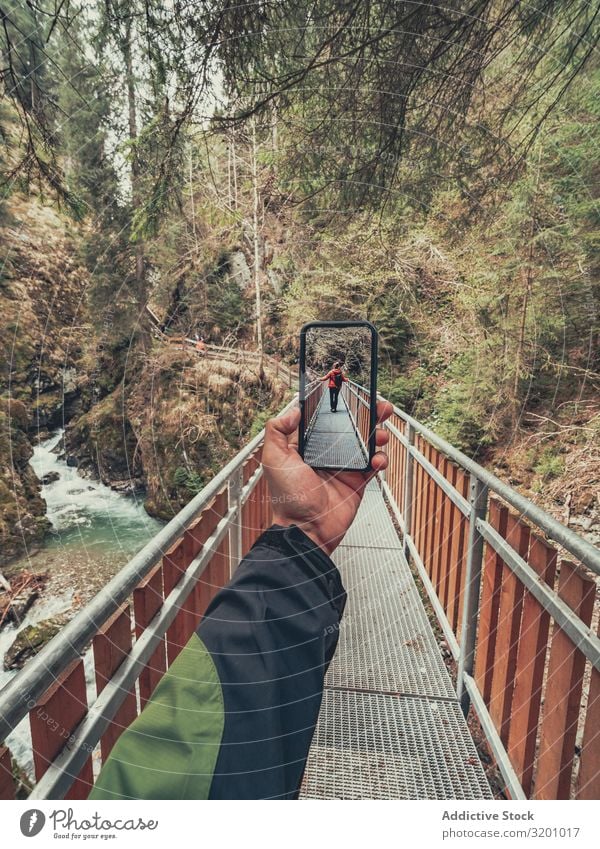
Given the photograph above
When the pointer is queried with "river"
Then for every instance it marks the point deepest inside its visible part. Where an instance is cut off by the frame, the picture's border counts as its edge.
(95, 531)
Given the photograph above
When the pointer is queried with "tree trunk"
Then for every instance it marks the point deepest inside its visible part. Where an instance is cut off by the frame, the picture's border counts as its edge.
(229, 178)
(528, 282)
(193, 207)
(256, 235)
(234, 169)
(140, 266)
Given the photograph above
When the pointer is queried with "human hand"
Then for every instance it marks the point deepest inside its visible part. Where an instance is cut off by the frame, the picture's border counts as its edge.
(322, 503)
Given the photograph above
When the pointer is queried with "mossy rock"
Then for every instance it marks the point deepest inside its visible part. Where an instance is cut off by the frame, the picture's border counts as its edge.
(47, 409)
(30, 641)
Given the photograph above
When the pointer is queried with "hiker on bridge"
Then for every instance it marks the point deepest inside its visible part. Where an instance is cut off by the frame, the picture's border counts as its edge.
(336, 378)
(234, 716)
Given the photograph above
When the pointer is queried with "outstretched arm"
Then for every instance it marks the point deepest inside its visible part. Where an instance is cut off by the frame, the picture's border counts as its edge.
(233, 717)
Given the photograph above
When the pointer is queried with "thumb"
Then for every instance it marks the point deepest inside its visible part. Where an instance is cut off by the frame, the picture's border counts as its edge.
(278, 431)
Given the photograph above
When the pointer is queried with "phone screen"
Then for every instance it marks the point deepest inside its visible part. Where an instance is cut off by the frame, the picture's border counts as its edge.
(338, 394)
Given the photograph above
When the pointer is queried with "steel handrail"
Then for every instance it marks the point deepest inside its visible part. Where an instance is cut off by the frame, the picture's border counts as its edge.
(578, 546)
(482, 483)
(42, 671)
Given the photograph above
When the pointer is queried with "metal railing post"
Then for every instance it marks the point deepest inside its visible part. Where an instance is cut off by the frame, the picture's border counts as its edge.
(408, 488)
(479, 502)
(234, 491)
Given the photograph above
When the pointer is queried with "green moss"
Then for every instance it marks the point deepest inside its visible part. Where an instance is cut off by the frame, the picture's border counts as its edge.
(30, 641)
(549, 464)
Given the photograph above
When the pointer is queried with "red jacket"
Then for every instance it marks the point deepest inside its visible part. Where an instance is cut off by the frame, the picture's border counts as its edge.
(331, 376)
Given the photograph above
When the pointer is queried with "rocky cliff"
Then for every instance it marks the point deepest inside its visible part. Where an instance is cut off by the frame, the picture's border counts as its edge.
(170, 426)
(42, 328)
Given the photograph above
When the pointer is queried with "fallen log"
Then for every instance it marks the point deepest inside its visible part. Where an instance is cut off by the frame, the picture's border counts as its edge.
(20, 595)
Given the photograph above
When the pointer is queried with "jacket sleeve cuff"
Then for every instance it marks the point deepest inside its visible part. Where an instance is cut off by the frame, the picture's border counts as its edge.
(291, 541)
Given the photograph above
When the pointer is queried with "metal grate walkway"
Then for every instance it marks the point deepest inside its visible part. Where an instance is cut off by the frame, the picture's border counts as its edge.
(332, 441)
(390, 725)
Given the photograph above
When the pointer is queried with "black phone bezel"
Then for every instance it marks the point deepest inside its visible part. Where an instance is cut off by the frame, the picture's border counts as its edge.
(372, 388)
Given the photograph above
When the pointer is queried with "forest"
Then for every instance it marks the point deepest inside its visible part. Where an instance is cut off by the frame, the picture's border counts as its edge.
(204, 168)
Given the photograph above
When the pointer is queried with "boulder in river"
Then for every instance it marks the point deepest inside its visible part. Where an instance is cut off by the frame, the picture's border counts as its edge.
(132, 486)
(59, 448)
(50, 477)
(30, 641)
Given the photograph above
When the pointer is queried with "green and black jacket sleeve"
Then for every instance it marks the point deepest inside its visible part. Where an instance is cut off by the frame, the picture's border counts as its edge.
(234, 716)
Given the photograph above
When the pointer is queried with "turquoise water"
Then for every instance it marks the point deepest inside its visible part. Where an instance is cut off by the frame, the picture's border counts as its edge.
(95, 531)
(87, 516)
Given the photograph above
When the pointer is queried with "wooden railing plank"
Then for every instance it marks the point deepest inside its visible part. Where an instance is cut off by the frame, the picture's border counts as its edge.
(174, 566)
(194, 539)
(428, 516)
(563, 691)
(266, 507)
(111, 645)
(208, 521)
(57, 713)
(439, 566)
(417, 493)
(529, 673)
(450, 587)
(400, 475)
(217, 573)
(588, 782)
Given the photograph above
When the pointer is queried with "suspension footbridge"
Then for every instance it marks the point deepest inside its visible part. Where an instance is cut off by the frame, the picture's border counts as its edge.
(513, 592)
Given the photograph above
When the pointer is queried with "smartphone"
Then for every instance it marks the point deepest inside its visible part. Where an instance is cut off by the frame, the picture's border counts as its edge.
(338, 395)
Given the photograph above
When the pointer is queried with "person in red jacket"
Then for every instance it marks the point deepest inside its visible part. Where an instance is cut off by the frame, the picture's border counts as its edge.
(336, 377)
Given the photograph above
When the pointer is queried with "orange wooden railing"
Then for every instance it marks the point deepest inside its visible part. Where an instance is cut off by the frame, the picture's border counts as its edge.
(57, 713)
(357, 401)
(534, 686)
